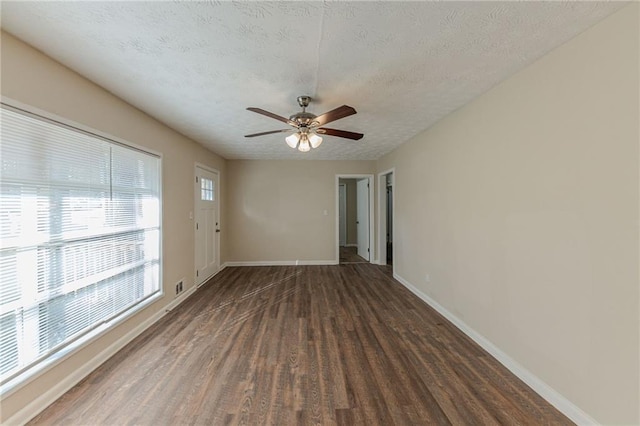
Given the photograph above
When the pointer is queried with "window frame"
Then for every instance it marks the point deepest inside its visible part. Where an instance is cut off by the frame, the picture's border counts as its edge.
(102, 329)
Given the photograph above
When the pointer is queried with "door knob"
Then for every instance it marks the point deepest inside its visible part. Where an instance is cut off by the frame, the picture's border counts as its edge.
(217, 230)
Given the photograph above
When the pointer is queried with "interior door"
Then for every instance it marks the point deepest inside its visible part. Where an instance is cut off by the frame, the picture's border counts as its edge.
(206, 224)
(342, 212)
(389, 220)
(362, 196)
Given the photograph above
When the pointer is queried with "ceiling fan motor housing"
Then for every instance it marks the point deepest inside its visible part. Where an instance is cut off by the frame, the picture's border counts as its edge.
(304, 118)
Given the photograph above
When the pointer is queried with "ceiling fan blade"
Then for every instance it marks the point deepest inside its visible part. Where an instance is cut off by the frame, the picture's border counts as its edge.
(270, 114)
(340, 133)
(267, 133)
(335, 114)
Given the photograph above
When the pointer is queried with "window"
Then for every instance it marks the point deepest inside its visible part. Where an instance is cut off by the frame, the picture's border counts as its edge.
(79, 237)
(207, 190)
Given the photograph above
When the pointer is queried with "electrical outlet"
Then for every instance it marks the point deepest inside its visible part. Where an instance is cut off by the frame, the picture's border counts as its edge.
(180, 286)
(177, 288)
(427, 278)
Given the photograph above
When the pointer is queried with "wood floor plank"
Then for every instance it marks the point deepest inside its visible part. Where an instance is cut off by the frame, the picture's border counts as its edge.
(343, 344)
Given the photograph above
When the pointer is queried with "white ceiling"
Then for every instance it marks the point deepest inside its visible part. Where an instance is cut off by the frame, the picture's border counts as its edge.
(196, 66)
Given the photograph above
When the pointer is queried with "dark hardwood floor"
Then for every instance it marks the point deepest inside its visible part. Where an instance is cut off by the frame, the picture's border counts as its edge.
(350, 255)
(302, 345)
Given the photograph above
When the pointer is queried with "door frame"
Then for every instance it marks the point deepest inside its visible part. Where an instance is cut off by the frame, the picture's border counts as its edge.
(382, 216)
(192, 217)
(372, 248)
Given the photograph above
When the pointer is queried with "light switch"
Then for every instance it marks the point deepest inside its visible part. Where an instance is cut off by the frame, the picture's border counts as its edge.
(325, 212)
(191, 215)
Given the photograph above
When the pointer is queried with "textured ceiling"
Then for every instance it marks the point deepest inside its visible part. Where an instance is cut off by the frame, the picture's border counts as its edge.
(196, 66)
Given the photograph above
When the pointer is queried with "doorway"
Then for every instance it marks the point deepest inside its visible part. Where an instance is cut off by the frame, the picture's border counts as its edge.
(207, 225)
(386, 183)
(354, 224)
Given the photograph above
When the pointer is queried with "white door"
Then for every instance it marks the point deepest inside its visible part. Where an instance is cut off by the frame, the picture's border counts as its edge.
(342, 211)
(206, 224)
(362, 196)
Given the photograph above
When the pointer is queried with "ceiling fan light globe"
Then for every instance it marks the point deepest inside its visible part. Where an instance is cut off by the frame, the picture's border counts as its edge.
(292, 140)
(315, 140)
(304, 145)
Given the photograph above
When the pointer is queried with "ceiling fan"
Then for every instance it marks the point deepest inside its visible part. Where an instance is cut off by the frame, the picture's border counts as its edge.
(308, 126)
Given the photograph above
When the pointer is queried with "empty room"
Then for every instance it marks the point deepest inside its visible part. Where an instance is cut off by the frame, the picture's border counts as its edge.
(318, 212)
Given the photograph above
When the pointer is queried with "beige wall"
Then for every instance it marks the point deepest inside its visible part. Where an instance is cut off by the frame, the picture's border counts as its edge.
(523, 209)
(352, 210)
(36, 80)
(277, 208)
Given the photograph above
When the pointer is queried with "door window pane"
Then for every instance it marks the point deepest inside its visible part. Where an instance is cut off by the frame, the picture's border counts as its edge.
(207, 189)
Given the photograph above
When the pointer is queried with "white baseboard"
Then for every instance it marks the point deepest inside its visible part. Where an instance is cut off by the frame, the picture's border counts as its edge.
(351, 245)
(541, 388)
(282, 263)
(36, 406)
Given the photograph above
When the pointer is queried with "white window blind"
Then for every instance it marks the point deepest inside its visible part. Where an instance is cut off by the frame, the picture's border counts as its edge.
(79, 236)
